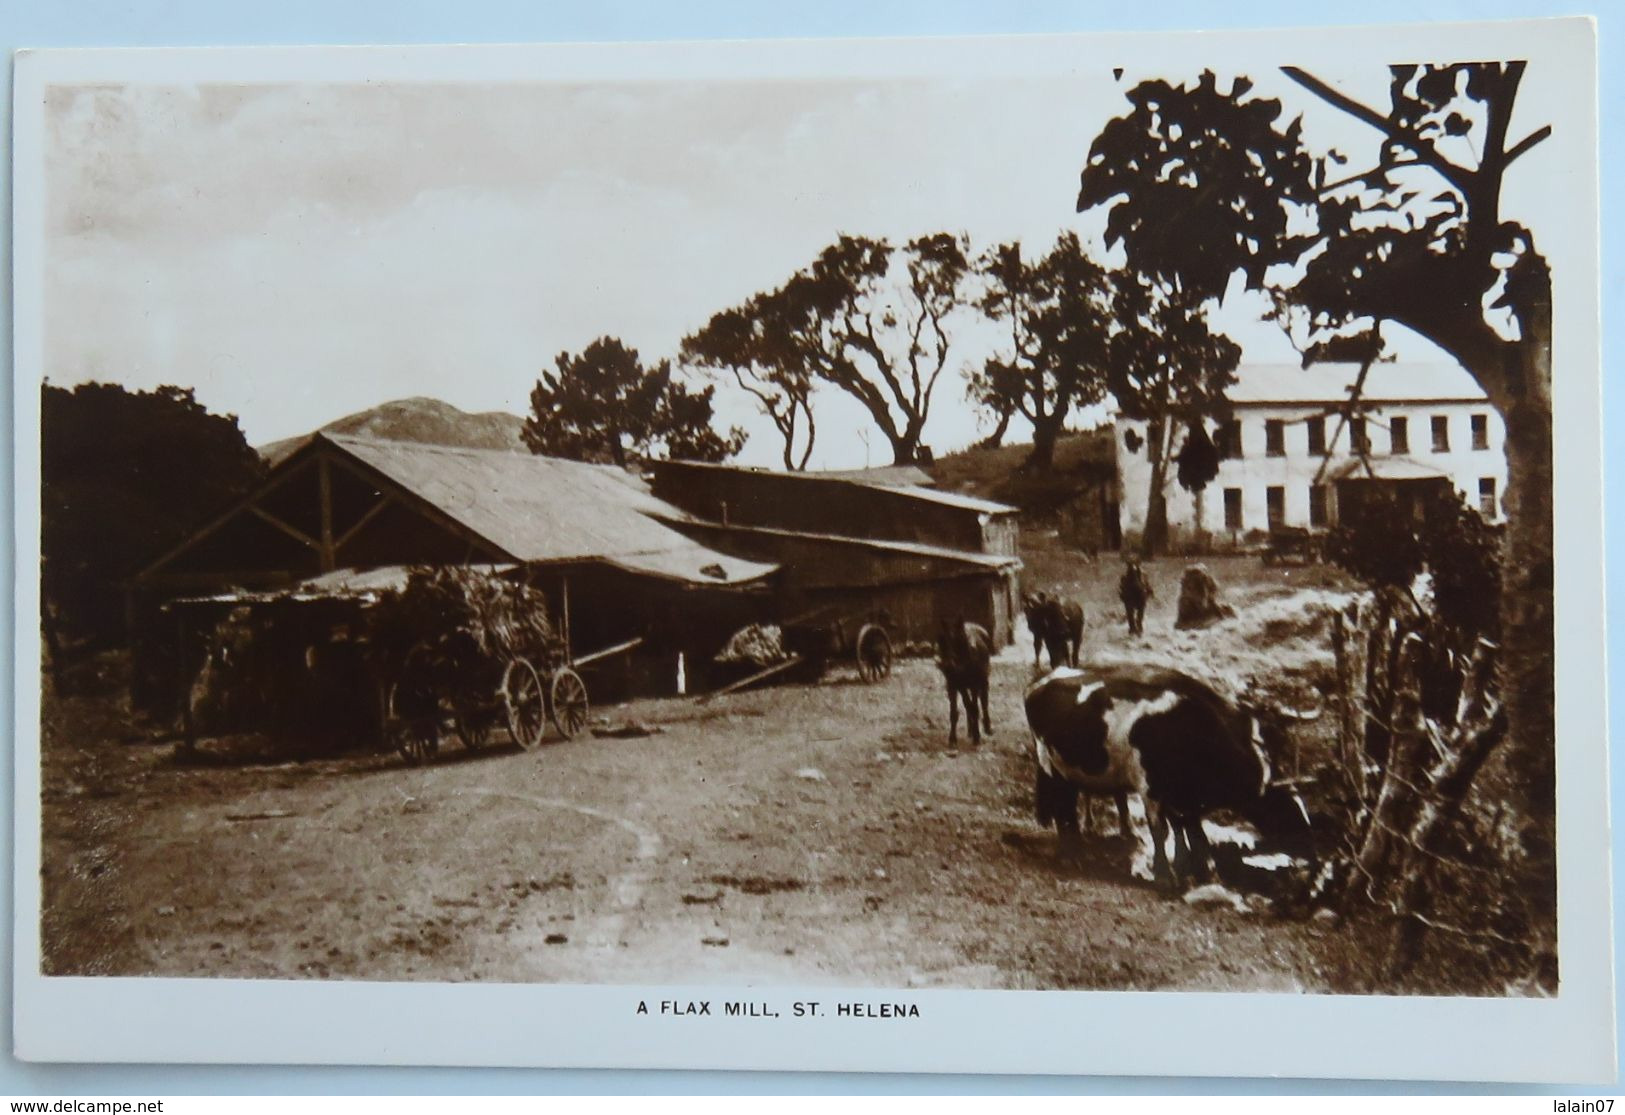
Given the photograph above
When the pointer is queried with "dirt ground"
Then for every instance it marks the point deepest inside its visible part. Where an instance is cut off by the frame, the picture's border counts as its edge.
(813, 834)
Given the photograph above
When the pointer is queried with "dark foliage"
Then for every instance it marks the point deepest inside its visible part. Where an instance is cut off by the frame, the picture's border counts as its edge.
(757, 344)
(603, 405)
(1058, 312)
(124, 476)
(1198, 459)
(1385, 547)
(1201, 183)
(866, 317)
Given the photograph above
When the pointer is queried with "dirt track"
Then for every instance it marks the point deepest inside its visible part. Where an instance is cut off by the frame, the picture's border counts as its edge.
(821, 834)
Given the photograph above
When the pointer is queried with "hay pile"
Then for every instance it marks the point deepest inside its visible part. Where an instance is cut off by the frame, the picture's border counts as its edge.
(496, 619)
(760, 644)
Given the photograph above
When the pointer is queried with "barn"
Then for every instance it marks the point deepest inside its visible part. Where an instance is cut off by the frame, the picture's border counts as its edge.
(591, 537)
(856, 544)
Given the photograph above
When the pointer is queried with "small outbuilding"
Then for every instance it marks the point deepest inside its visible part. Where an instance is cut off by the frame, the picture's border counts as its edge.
(846, 543)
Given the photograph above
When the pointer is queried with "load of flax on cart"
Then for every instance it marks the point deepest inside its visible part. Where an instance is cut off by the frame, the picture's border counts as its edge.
(469, 649)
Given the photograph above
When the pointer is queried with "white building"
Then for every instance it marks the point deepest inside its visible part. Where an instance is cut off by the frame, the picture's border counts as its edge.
(1288, 452)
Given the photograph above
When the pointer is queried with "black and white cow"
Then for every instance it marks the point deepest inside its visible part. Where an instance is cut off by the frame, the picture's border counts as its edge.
(1186, 750)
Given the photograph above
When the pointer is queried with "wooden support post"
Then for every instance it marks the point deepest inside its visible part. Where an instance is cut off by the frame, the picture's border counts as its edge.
(324, 476)
(564, 593)
(188, 728)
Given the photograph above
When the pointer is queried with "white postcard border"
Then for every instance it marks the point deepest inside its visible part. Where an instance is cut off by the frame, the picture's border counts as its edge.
(1567, 1038)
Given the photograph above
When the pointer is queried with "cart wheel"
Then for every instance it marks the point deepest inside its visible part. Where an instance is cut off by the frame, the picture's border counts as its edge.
(473, 726)
(527, 707)
(874, 653)
(568, 701)
(413, 710)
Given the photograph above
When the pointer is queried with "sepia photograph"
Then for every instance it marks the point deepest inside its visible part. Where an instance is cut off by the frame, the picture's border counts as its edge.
(1067, 527)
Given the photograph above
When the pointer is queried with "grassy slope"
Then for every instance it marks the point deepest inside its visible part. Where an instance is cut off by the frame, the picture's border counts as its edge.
(1082, 460)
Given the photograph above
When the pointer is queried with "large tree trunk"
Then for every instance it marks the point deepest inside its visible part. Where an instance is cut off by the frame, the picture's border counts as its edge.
(1155, 538)
(1046, 432)
(996, 438)
(1527, 635)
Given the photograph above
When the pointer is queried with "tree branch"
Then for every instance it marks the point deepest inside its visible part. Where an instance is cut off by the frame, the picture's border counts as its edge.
(1458, 176)
(1528, 141)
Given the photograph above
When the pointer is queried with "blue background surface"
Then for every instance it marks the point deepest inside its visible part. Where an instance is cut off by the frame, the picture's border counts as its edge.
(68, 23)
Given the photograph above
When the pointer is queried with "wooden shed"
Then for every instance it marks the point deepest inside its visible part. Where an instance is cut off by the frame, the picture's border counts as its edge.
(592, 537)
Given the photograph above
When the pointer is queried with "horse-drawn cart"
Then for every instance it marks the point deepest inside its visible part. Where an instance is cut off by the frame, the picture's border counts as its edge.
(487, 658)
(808, 643)
(821, 637)
(1293, 544)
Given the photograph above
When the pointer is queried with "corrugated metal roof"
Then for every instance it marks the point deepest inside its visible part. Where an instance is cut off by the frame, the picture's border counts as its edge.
(956, 499)
(886, 476)
(916, 549)
(1332, 383)
(1387, 468)
(543, 509)
(929, 495)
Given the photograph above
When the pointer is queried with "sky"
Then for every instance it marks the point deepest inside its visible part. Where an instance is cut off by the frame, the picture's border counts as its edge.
(298, 252)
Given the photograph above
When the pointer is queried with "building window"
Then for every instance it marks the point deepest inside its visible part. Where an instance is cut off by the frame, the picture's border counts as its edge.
(1276, 500)
(1317, 435)
(1400, 431)
(1317, 505)
(1481, 431)
(1232, 509)
(1441, 433)
(1486, 498)
(1274, 437)
(1358, 441)
(1228, 439)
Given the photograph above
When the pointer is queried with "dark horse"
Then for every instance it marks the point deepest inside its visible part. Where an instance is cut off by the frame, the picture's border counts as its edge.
(964, 655)
(1057, 626)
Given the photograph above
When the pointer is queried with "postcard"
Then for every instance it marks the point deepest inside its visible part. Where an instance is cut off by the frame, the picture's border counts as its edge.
(1042, 554)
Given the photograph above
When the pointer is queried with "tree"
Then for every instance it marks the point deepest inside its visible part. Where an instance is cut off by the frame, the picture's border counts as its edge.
(1205, 184)
(874, 321)
(1198, 465)
(124, 475)
(1058, 311)
(758, 344)
(604, 405)
(1170, 369)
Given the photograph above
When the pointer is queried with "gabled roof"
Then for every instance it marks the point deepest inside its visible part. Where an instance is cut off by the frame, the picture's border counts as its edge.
(515, 507)
(548, 510)
(1332, 383)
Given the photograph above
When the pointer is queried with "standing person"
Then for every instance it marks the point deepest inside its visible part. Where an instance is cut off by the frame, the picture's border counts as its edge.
(1134, 589)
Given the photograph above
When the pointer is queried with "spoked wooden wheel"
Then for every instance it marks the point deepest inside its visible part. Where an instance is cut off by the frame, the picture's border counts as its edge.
(526, 704)
(414, 710)
(874, 653)
(473, 725)
(568, 701)
(416, 734)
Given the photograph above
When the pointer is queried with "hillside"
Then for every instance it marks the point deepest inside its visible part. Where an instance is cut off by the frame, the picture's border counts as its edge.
(1083, 461)
(419, 419)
